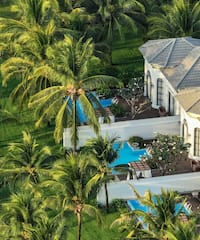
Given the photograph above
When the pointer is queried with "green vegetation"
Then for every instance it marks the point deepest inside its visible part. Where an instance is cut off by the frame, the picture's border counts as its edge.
(92, 231)
(166, 153)
(54, 54)
(136, 139)
(161, 220)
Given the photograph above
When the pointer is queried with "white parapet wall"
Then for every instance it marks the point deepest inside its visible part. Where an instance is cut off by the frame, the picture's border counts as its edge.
(145, 128)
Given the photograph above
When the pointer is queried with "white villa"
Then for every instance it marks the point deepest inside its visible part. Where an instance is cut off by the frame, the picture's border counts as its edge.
(172, 80)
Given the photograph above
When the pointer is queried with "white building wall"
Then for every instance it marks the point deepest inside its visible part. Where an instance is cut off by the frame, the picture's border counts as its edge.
(145, 128)
(155, 74)
(192, 123)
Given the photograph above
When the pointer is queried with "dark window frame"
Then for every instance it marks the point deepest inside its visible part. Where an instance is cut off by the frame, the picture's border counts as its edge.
(197, 142)
(159, 91)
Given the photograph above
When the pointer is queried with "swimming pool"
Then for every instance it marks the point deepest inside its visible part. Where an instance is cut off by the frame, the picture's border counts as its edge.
(134, 204)
(106, 102)
(82, 118)
(127, 154)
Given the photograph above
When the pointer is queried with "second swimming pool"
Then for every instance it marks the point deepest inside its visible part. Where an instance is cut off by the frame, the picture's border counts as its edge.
(127, 154)
(134, 204)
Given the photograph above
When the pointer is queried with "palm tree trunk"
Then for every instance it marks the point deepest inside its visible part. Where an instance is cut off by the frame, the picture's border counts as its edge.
(79, 225)
(106, 193)
(74, 140)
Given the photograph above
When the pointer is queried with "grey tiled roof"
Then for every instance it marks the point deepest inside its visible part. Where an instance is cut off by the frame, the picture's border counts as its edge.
(190, 100)
(177, 58)
(187, 73)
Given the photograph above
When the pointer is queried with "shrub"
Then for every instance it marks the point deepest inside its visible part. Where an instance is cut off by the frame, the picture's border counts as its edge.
(118, 110)
(137, 139)
(166, 152)
(117, 204)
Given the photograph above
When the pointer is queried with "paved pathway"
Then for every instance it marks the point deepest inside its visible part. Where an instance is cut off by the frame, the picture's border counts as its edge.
(182, 183)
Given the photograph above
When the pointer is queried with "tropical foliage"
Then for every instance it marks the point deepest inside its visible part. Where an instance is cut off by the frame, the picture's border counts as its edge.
(26, 163)
(49, 60)
(71, 180)
(102, 147)
(161, 221)
(73, 91)
(166, 151)
(179, 19)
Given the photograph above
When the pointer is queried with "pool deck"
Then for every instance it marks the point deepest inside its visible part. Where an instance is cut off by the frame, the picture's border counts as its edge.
(183, 183)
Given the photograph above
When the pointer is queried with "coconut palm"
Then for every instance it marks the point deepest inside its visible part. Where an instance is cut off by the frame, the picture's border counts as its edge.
(18, 213)
(77, 19)
(102, 147)
(23, 217)
(26, 163)
(48, 227)
(182, 230)
(112, 15)
(30, 64)
(6, 116)
(71, 181)
(162, 213)
(26, 15)
(28, 38)
(179, 19)
(73, 90)
(163, 209)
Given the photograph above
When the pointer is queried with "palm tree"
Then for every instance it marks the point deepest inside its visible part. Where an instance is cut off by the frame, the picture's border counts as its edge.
(182, 230)
(163, 209)
(23, 217)
(73, 89)
(77, 19)
(19, 213)
(102, 147)
(31, 64)
(114, 14)
(25, 16)
(71, 180)
(48, 227)
(26, 163)
(162, 213)
(179, 19)
(7, 116)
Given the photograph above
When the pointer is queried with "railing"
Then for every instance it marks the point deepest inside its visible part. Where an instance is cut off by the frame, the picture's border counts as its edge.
(145, 128)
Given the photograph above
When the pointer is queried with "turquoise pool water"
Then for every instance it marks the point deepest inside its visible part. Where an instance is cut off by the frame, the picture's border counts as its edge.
(104, 103)
(134, 204)
(127, 154)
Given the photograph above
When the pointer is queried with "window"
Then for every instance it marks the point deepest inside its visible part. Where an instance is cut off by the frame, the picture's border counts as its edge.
(197, 142)
(171, 104)
(148, 85)
(159, 92)
(185, 131)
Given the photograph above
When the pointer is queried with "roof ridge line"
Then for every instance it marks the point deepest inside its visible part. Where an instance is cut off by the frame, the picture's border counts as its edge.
(198, 101)
(169, 54)
(161, 50)
(184, 38)
(197, 58)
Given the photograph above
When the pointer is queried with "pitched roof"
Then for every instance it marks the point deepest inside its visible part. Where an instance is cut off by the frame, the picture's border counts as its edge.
(190, 100)
(177, 58)
(186, 74)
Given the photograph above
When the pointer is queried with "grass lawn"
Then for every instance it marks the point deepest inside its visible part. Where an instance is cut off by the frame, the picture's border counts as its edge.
(91, 230)
(12, 131)
(126, 55)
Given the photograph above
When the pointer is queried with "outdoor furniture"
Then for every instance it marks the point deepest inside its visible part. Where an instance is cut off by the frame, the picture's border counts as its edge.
(140, 169)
